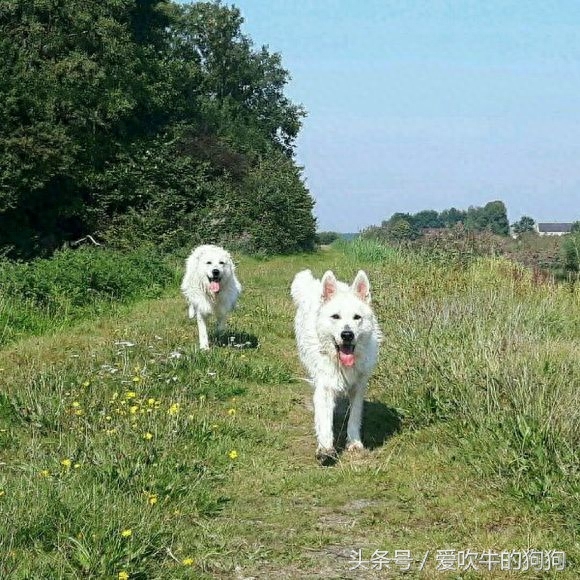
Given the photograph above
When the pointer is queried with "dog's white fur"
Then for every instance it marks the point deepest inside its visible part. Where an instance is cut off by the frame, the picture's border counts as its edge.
(207, 263)
(327, 311)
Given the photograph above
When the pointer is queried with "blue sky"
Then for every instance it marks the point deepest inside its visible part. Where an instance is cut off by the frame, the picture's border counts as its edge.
(430, 104)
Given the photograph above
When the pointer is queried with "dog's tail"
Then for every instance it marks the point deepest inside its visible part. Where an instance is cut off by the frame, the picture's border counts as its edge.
(302, 287)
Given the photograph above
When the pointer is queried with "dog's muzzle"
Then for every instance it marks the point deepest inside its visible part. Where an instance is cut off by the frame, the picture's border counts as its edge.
(345, 349)
(214, 281)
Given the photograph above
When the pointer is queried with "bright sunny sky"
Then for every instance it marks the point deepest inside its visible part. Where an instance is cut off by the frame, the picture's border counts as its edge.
(431, 104)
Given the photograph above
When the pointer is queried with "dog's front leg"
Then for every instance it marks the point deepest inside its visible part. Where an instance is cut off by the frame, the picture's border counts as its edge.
(202, 331)
(323, 416)
(353, 439)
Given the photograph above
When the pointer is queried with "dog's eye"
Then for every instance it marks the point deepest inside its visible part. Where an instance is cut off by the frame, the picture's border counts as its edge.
(336, 316)
(357, 317)
(222, 263)
(208, 262)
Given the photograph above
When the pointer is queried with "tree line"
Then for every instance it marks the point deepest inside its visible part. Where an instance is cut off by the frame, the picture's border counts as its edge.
(144, 122)
(405, 226)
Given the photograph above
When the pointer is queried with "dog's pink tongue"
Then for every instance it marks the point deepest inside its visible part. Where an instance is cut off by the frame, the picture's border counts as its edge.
(214, 287)
(346, 358)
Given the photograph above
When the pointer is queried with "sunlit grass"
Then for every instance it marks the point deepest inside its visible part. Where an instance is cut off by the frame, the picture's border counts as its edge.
(125, 452)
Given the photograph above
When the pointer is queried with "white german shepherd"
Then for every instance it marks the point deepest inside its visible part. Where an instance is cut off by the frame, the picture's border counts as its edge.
(210, 287)
(338, 339)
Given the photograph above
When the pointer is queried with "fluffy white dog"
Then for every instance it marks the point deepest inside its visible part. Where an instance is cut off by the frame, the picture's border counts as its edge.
(338, 339)
(210, 287)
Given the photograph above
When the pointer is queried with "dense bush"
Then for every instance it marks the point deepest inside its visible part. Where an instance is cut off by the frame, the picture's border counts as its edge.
(74, 284)
(326, 238)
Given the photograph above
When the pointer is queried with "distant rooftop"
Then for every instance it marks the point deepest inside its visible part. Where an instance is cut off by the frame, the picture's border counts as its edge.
(560, 227)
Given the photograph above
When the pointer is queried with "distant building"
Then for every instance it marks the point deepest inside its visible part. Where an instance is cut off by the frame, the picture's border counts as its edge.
(553, 228)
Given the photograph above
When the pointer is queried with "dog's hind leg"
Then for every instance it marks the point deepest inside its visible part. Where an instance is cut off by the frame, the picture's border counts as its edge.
(202, 331)
(191, 311)
(353, 439)
(221, 323)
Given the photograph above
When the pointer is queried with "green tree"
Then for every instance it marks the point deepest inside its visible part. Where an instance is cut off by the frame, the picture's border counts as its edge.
(524, 224)
(571, 252)
(427, 219)
(326, 238)
(452, 216)
(491, 217)
(76, 85)
(131, 118)
(400, 230)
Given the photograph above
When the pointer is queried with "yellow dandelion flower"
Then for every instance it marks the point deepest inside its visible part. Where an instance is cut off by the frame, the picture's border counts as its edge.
(123, 575)
(174, 409)
(188, 561)
(151, 402)
(79, 412)
(130, 395)
(86, 383)
(148, 436)
(233, 454)
(152, 499)
(133, 409)
(126, 533)
(45, 473)
(75, 404)
(66, 463)
(231, 412)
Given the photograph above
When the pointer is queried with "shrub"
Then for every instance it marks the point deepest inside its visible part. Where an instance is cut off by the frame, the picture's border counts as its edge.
(74, 284)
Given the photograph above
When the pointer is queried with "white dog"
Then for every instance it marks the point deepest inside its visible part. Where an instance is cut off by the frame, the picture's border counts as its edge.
(210, 287)
(338, 339)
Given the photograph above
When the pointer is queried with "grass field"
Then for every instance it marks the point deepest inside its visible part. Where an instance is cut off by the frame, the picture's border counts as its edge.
(127, 453)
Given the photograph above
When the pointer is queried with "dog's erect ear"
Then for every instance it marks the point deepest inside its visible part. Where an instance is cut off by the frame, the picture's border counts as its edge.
(362, 287)
(328, 286)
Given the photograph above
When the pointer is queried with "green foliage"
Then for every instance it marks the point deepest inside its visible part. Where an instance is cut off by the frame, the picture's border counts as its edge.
(492, 217)
(571, 252)
(128, 119)
(326, 238)
(525, 224)
(74, 285)
(269, 212)
(405, 227)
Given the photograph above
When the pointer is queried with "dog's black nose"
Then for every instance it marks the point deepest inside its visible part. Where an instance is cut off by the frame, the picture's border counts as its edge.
(347, 335)
(215, 272)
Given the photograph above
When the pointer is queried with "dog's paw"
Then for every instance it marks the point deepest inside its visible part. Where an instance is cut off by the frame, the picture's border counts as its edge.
(326, 456)
(354, 446)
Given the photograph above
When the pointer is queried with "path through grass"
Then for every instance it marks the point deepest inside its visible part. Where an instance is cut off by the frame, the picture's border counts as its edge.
(125, 452)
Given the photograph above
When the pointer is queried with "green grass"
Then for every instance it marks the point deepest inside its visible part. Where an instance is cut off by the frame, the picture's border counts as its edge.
(471, 423)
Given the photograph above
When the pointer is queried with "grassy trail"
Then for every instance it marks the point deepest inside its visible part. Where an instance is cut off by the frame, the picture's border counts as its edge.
(126, 450)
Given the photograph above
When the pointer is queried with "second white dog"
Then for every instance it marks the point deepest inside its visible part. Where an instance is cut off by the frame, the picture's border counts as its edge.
(338, 337)
(210, 287)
